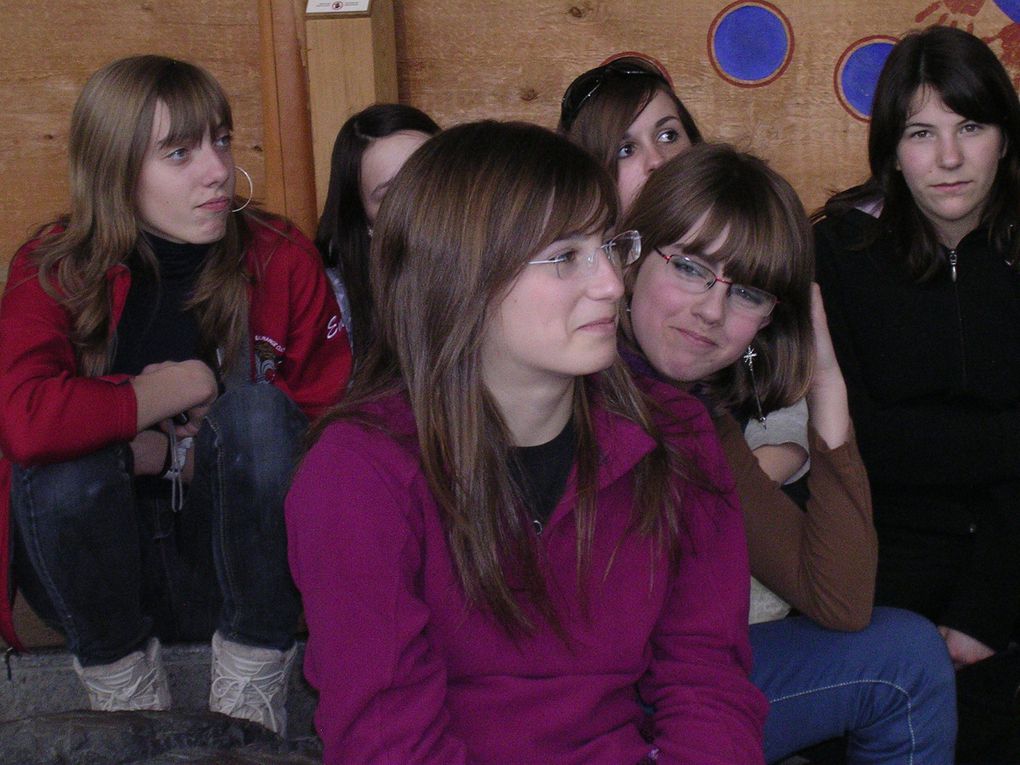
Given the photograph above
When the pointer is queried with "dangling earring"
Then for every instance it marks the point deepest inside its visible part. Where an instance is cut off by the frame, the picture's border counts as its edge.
(251, 188)
(749, 358)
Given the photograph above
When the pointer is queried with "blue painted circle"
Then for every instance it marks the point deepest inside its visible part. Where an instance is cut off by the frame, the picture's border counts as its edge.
(1011, 8)
(751, 43)
(860, 75)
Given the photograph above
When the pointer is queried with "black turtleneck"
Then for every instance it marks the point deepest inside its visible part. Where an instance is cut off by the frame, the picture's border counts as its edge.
(542, 471)
(155, 326)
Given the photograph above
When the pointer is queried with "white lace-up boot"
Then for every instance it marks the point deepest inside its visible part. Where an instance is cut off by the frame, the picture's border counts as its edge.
(251, 683)
(137, 681)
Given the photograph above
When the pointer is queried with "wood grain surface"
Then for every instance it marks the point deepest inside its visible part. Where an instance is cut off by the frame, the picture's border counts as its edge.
(459, 60)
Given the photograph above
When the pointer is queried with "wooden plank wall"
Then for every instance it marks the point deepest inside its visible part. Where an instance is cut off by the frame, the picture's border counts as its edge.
(48, 50)
(464, 59)
(458, 60)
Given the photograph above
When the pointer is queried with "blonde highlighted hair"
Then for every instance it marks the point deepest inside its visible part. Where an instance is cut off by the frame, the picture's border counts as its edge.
(110, 130)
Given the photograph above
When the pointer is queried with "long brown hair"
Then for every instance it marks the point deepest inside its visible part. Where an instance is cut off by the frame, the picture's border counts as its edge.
(768, 245)
(459, 224)
(110, 129)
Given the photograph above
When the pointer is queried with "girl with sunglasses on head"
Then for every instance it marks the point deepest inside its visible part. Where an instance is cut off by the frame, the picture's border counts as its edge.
(920, 268)
(144, 468)
(626, 114)
(721, 302)
(369, 150)
(521, 538)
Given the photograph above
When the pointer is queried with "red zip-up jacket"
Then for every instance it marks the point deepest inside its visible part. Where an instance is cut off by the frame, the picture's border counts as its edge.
(50, 413)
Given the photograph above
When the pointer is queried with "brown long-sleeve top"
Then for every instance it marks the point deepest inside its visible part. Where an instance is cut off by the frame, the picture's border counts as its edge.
(823, 561)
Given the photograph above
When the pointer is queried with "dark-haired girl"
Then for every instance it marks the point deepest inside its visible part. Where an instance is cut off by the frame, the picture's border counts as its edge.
(369, 150)
(920, 271)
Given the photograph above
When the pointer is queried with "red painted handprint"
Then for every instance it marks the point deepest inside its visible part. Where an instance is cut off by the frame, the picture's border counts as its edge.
(949, 9)
(1009, 53)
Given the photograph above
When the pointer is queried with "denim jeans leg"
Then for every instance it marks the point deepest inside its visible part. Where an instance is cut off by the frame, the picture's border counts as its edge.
(182, 592)
(890, 688)
(79, 551)
(246, 453)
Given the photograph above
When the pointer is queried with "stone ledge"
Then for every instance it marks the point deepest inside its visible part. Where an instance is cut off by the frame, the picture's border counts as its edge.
(44, 682)
(147, 738)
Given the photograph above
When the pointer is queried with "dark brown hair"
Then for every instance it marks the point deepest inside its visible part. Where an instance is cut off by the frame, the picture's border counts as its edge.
(466, 213)
(964, 72)
(604, 117)
(342, 237)
(768, 245)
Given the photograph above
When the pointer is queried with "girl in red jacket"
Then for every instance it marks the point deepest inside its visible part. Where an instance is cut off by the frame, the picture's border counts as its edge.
(147, 468)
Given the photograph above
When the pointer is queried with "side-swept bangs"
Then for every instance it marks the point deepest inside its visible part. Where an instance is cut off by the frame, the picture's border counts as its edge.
(765, 240)
(767, 234)
(196, 103)
(766, 243)
(461, 225)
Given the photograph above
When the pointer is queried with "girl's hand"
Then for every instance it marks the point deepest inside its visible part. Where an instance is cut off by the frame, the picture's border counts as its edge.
(172, 388)
(149, 449)
(827, 396)
(963, 649)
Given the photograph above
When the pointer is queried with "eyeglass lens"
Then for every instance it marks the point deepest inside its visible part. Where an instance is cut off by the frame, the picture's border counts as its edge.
(696, 279)
(620, 251)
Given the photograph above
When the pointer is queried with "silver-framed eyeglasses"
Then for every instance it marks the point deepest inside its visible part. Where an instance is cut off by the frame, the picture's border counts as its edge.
(695, 278)
(622, 250)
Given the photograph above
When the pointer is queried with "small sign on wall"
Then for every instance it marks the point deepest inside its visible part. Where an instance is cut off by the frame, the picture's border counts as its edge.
(338, 6)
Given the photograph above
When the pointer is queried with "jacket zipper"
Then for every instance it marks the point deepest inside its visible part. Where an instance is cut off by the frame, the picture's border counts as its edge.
(959, 318)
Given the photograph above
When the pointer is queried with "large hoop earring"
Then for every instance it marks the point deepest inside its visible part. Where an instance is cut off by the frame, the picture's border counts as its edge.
(251, 188)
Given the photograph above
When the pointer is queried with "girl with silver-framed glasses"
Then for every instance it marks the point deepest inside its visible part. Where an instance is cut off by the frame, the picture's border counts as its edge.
(496, 535)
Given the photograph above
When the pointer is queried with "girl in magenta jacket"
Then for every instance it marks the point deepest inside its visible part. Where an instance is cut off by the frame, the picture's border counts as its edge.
(146, 469)
(498, 540)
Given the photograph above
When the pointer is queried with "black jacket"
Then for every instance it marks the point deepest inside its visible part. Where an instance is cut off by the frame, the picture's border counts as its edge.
(933, 372)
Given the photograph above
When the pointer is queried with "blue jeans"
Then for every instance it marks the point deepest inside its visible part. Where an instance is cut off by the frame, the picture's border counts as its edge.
(889, 688)
(102, 557)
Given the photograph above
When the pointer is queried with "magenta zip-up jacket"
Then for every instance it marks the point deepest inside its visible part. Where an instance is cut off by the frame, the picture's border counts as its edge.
(409, 672)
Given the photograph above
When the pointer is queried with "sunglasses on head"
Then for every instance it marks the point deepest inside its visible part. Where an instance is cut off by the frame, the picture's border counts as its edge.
(587, 85)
